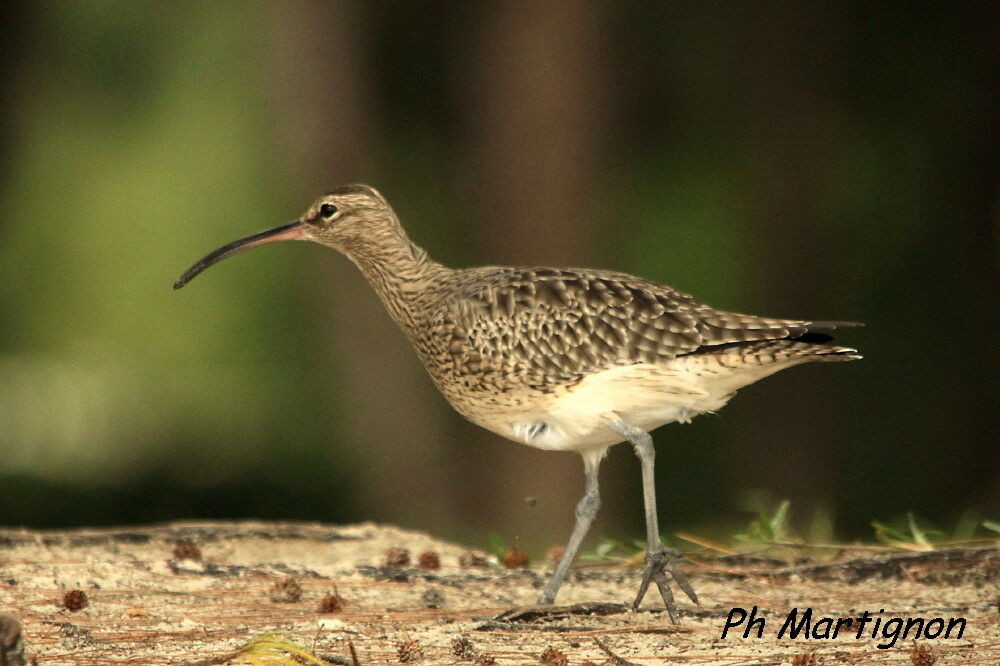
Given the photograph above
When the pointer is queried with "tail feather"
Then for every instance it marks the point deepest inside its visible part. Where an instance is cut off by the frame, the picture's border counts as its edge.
(818, 341)
(734, 366)
(838, 354)
(832, 325)
(808, 347)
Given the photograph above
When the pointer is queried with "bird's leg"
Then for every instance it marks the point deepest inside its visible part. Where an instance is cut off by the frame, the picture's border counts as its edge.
(657, 555)
(585, 512)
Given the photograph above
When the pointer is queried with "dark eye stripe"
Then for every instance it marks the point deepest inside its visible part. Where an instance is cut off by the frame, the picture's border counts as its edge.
(327, 211)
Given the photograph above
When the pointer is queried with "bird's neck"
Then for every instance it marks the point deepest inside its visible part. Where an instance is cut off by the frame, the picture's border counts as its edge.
(403, 275)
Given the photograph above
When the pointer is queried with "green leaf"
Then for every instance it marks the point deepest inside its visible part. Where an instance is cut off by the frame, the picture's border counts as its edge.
(918, 535)
(604, 548)
(496, 545)
(778, 523)
(992, 525)
(883, 532)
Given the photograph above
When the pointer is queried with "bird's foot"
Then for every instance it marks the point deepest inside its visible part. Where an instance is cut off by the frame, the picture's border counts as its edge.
(658, 565)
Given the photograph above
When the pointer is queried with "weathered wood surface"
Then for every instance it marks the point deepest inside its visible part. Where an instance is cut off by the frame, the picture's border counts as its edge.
(148, 606)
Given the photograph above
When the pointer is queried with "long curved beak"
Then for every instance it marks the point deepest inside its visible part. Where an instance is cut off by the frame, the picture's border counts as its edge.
(290, 231)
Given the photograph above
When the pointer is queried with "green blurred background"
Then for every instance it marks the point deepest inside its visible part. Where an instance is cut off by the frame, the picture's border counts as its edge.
(814, 160)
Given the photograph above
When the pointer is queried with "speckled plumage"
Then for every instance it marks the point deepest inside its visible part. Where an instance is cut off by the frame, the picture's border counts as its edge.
(557, 358)
(507, 346)
(504, 344)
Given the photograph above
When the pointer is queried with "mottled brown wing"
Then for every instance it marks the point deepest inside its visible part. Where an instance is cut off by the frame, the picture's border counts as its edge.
(564, 323)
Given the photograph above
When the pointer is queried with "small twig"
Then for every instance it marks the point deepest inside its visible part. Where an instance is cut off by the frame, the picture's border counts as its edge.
(534, 613)
(704, 543)
(770, 545)
(615, 659)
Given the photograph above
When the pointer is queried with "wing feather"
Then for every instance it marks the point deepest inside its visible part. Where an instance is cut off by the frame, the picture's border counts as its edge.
(561, 324)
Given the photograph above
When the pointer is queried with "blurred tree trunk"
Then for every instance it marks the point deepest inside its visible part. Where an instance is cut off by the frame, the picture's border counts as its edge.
(973, 193)
(791, 138)
(392, 421)
(14, 17)
(535, 132)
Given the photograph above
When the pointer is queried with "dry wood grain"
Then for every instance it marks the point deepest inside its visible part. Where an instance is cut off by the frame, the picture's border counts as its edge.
(145, 606)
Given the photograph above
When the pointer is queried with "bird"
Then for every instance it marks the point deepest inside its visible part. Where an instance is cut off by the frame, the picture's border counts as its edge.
(562, 359)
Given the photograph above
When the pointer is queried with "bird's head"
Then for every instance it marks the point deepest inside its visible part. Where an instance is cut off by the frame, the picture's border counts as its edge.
(354, 219)
(350, 219)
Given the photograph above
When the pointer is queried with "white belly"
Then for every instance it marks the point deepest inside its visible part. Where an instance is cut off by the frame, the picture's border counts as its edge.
(644, 396)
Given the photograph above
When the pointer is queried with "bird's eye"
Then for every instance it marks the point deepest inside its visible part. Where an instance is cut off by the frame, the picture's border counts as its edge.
(327, 211)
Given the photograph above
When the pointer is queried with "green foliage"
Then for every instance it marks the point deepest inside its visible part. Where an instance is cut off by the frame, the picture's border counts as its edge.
(609, 550)
(772, 532)
(909, 536)
(768, 528)
(773, 529)
(496, 545)
(910, 533)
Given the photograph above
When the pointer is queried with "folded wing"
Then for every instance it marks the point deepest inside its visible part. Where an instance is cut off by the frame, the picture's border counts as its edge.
(562, 324)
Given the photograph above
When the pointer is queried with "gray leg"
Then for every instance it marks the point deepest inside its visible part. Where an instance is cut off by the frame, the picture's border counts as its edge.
(585, 512)
(657, 555)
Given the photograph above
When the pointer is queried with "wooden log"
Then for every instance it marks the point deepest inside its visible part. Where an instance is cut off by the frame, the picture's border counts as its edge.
(196, 592)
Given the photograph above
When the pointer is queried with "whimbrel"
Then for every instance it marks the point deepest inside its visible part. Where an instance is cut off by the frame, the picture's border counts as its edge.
(559, 359)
